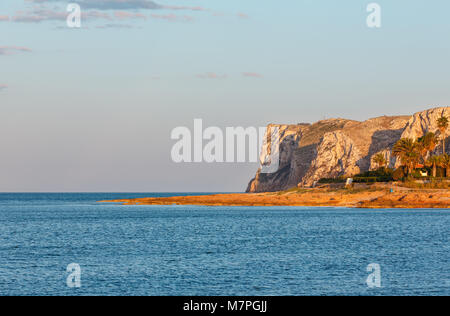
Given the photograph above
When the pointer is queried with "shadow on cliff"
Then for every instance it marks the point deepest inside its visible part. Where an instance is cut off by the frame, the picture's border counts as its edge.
(289, 174)
(381, 140)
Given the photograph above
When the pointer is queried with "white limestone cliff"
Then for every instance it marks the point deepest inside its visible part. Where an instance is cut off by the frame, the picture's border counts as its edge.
(339, 147)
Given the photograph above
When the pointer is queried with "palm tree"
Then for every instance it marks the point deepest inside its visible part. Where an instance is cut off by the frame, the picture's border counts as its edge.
(434, 161)
(408, 151)
(443, 125)
(427, 144)
(380, 160)
(445, 163)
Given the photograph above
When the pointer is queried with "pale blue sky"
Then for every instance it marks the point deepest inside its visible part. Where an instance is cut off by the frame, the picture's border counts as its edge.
(91, 109)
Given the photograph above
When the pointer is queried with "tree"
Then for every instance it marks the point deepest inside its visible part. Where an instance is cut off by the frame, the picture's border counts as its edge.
(408, 151)
(445, 163)
(433, 162)
(427, 144)
(443, 125)
(380, 160)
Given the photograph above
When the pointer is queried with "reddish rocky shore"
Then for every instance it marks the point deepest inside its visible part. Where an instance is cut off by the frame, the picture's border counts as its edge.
(362, 197)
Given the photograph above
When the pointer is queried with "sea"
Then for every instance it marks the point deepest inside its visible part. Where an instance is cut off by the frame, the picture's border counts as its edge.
(55, 244)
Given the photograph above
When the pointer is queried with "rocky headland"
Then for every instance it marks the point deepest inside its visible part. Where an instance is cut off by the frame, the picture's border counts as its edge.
(329, 149)
(340, 147)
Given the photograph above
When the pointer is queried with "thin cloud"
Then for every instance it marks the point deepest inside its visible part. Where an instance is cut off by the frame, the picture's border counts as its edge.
(114, 26)
(11, 50)
(109, 4)
(242, 15)
(184, 8)
(129, 15)
(252, 75)
(39, 15)
(211, 75)
(172, 17)
(125, 5)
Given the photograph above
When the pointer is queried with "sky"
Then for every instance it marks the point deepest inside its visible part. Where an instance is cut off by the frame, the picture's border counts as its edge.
(91, 109)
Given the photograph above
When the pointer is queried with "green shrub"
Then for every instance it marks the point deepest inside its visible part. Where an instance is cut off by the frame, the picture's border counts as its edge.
(333, 180)
(380, 175)
(399, 174)
(382, 172)
(365, 179)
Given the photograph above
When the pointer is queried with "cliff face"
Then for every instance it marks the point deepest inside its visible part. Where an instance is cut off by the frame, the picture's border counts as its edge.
(338, 147)
(424, 122)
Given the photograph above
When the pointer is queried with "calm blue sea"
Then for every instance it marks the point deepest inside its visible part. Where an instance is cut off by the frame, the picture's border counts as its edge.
(190, 250)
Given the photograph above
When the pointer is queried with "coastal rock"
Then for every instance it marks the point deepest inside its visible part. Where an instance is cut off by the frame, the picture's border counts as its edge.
(290, 136)
(424, 122)
(298, 148)
(338, 147)
(337, 155)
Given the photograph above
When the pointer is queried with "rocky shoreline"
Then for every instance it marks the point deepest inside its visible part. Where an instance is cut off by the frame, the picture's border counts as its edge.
(359, 197)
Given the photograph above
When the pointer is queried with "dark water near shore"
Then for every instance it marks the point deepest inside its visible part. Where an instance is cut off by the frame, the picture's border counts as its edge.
(189, 250)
